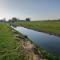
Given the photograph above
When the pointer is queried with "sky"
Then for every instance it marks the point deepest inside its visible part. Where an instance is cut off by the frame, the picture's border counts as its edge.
(34, 9)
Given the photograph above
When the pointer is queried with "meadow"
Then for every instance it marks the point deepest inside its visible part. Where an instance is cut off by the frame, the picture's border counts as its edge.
(51, 27)
(9, 47)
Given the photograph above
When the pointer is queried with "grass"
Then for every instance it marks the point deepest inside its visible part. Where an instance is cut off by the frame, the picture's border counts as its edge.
(9, 47)
(52, 27)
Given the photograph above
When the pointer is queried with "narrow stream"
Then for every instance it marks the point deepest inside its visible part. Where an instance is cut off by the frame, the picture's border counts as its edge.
(49, 42)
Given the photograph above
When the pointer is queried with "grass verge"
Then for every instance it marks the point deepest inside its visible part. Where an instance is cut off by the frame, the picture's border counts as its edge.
(9, 47)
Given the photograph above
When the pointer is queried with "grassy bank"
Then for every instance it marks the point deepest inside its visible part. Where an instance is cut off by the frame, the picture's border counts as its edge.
(9, 47)
(51, 27)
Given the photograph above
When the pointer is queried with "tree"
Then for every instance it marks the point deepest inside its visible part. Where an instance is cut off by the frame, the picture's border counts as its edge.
(27, 19)
(4, 19)
(14, 19)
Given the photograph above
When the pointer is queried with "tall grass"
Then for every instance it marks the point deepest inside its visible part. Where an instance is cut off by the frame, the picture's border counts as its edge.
(9, 48)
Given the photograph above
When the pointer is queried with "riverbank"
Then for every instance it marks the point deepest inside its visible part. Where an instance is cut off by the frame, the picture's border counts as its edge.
(50, 27)
(15, 46)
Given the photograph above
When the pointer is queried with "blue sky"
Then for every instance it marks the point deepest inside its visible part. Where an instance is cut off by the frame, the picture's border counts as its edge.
(34, 9)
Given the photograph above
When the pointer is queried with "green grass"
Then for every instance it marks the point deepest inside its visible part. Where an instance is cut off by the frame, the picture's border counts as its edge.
(52, 27)
(9, 48)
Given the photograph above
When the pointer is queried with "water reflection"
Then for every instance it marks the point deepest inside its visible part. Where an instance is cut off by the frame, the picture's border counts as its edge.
(49, 42)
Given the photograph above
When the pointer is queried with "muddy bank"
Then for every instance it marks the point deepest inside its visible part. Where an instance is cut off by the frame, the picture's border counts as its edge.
(30, 50)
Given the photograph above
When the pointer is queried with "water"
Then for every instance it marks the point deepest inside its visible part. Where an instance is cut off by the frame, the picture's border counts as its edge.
(50, 43)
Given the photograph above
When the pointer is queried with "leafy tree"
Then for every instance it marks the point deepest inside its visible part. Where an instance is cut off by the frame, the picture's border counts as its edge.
(14, 19)
(27, 19)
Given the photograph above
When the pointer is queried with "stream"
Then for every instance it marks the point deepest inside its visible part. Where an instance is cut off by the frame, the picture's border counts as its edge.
(49, 42)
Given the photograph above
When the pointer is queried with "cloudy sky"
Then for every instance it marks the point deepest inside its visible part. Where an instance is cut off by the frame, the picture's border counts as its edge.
(34, 9)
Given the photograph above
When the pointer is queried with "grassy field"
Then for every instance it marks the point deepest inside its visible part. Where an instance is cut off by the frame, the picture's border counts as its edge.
(52, 27)
(9, 48)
